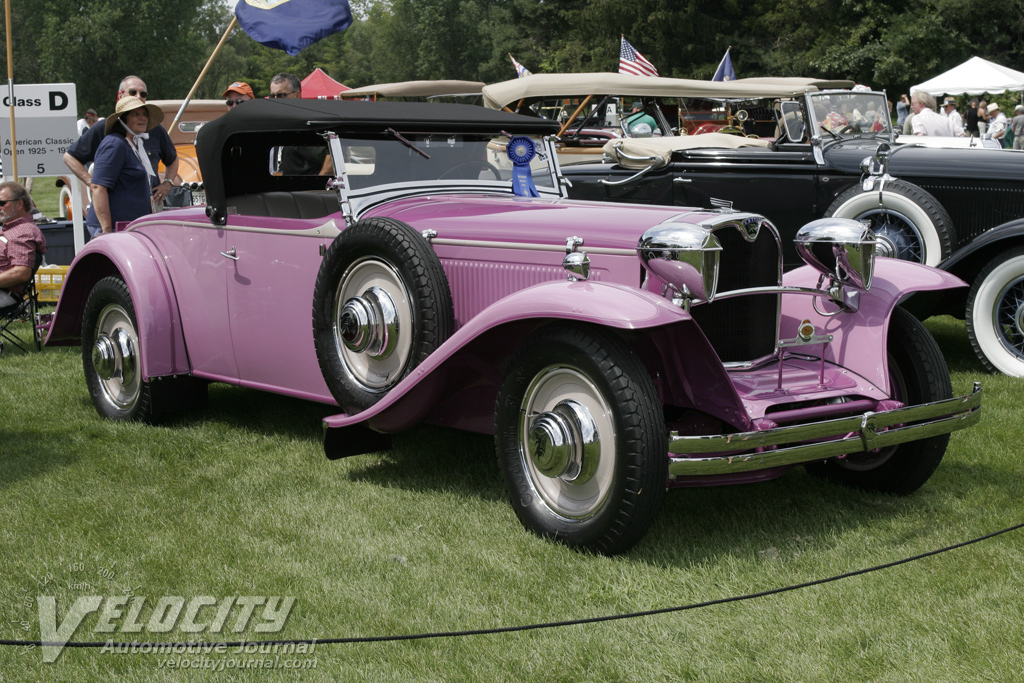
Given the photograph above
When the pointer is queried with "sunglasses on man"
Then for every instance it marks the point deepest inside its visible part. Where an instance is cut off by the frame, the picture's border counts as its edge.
(137, 93)
(232, 103)
(276, 95)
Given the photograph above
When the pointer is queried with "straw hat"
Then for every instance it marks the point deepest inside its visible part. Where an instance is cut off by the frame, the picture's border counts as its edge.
(127, 104)
(992, 107)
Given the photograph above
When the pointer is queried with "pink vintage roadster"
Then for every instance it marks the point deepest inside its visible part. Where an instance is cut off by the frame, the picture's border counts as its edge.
(438, 274)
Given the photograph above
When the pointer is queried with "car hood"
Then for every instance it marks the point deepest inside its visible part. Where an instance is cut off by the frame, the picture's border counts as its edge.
(928, 162)
(536, 221)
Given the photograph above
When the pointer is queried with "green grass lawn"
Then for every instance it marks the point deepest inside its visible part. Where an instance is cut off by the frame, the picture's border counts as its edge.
(237, 499)
(45, 194)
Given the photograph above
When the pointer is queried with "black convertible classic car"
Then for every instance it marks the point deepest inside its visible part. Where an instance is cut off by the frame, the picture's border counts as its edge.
(815, 153)
(833, 153)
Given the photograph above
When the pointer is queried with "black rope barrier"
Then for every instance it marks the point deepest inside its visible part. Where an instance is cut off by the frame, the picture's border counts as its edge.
(157, 647)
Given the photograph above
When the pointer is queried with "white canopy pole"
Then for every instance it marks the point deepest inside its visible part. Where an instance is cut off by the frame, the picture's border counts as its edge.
(10, 91)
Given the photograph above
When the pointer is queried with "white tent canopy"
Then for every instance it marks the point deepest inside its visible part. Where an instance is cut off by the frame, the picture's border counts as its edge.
(976, 76)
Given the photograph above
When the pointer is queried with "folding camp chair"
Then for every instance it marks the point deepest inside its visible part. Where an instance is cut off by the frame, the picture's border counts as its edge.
(24, 310)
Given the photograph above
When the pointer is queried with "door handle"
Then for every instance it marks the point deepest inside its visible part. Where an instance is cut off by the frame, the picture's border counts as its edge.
(230, 254)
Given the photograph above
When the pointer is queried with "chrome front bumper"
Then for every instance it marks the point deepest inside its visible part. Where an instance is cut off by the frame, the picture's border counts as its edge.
(729, 453)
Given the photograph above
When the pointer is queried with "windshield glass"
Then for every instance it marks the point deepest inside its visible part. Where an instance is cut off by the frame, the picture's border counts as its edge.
(844, 113)
(372, 161)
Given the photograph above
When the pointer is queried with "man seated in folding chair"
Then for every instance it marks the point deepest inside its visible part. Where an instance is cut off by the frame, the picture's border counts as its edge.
(21, 248)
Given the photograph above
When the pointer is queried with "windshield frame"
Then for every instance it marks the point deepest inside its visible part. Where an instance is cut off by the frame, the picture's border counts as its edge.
(357, 195)
(834, 115)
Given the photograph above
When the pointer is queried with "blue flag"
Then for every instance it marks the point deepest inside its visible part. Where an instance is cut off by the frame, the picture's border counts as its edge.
(725, 71)
(292, 25)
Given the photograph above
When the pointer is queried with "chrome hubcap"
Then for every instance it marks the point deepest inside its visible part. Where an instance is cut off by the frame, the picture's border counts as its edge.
(369, 324)
(567, 442)
(374, 322)
(113, 356)
(884, 246)
(564, 443)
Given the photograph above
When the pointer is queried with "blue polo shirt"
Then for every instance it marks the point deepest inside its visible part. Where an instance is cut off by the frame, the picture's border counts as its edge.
(118, 169)
(158, 146)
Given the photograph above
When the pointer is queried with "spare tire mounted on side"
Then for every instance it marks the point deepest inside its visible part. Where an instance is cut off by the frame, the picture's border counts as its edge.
(381, 305)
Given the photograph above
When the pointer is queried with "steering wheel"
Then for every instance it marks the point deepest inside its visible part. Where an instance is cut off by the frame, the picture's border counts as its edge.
(848, 128)
(479, 164)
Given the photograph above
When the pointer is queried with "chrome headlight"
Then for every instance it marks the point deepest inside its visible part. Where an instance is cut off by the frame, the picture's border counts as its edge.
(684, 256)
(841, 248)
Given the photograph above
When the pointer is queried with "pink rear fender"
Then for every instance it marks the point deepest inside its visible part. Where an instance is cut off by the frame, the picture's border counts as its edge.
(425, 390)
(129, 256)
(859, 336)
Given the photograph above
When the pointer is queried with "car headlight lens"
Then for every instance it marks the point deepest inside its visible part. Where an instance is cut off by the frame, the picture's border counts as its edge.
(840, 248)
(683, 256)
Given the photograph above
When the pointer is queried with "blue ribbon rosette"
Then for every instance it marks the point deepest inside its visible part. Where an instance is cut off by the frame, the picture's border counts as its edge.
(521, 151)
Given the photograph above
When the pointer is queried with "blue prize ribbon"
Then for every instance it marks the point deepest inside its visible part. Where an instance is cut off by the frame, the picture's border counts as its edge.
(521, 151)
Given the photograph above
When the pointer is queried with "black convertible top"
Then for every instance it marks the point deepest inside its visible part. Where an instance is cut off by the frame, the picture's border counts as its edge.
(287, 117)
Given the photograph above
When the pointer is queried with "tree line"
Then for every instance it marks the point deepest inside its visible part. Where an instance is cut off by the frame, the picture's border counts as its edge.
(890, 44)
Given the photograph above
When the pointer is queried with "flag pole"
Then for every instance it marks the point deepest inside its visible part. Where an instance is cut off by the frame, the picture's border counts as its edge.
(10, 90)
(202, 74)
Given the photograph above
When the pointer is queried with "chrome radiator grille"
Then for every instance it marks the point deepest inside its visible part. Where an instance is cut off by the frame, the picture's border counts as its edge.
(743, 328)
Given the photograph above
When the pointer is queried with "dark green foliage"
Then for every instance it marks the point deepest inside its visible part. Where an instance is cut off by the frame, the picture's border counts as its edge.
(889, 44)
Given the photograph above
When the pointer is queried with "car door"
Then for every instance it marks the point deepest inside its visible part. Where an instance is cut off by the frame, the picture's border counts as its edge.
(270, 294)
(192, 254)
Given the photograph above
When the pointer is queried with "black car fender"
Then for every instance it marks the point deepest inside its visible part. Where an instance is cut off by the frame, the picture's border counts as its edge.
(966, 263)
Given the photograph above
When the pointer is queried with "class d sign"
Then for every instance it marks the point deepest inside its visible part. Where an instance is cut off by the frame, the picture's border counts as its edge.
(44, 122)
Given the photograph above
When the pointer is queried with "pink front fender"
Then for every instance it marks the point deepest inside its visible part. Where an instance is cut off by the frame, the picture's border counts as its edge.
(128, 256)
(858, 337)
(606, 304)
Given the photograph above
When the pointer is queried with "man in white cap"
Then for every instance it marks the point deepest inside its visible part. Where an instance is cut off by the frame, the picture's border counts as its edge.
(955, 120)
(996, 122)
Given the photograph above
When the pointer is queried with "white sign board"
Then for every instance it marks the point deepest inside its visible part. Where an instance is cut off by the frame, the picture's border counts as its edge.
(44, 121)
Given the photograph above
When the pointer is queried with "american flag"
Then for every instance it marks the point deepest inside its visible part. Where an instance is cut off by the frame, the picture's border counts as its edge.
(632, 62)
(521, 70)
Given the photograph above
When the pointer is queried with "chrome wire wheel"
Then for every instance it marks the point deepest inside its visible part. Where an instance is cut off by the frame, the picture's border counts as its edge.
(909, 222)
(1008, 313)
(995, 313)
(567, 442)
(373, 323)
(896, 235)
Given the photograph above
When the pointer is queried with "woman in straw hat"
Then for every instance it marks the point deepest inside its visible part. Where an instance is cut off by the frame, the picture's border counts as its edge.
(120, 176)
